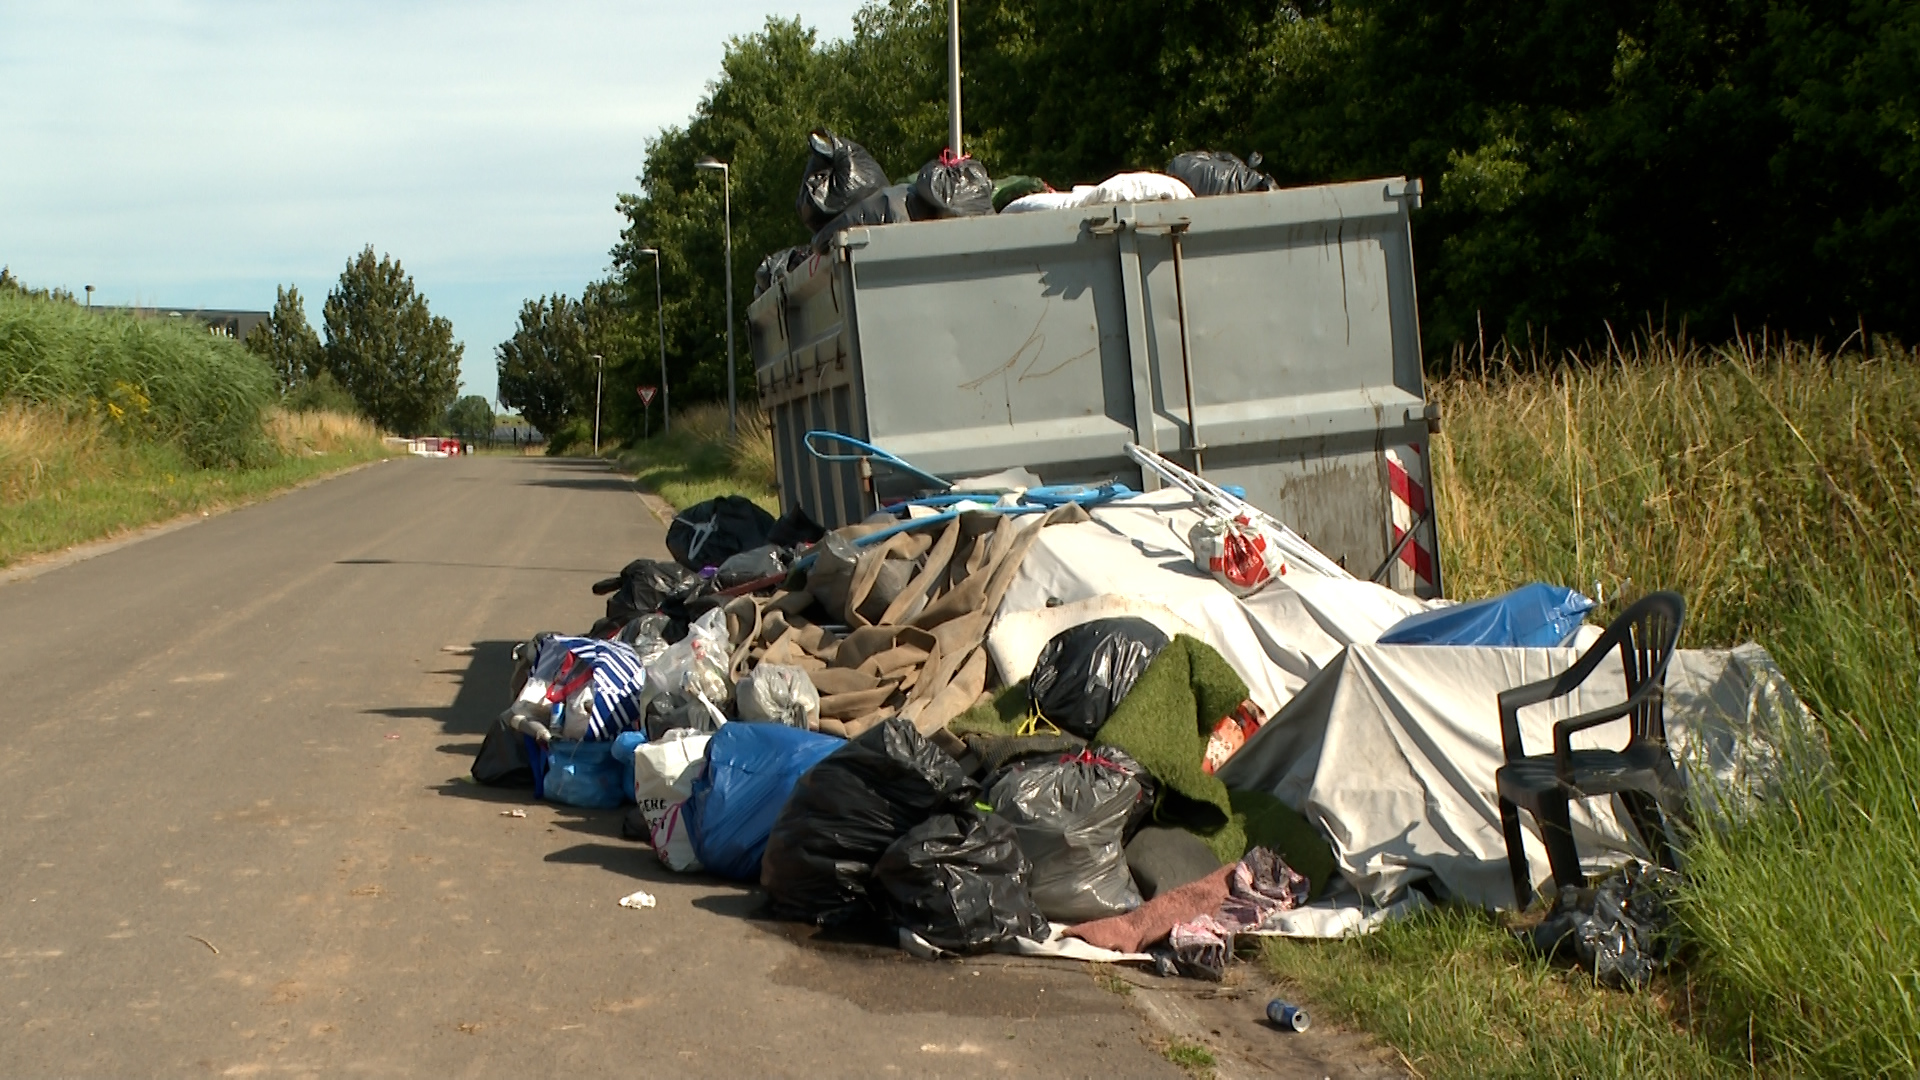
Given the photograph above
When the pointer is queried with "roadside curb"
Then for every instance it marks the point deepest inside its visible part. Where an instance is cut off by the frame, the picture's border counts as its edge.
(35, 565)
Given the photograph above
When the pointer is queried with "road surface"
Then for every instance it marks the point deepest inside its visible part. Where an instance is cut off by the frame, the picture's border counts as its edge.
(239, 840)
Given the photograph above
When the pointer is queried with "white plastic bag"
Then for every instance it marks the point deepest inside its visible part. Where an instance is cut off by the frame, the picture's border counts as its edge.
(673, 843)
(696, 664)
(664, 772)
(779, 693)
(1237, 552)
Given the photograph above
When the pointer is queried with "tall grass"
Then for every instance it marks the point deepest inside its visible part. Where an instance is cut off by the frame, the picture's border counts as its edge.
(697, 461)
(158, 381)
(1776, 487)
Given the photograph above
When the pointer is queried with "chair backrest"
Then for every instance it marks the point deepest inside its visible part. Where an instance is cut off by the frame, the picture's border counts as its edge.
(1648, 632)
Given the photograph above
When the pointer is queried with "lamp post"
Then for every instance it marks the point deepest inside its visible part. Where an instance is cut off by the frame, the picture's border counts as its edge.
(726, 196)
(600, 370)
(659, 306)
(89, 296)
(953, 76)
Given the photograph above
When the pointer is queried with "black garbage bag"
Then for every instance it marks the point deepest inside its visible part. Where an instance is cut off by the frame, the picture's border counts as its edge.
(1211, 172)
(888, 206)
(641, 587)
(839, 174)
(673, 709)
(502, 760)
(762, 562)
(959, 881)
(775, 266)
(844, 814)
(950, 187)
(1084, 672)
(1617, 928)
(1071, 817)
(709, 533)
(795, 529)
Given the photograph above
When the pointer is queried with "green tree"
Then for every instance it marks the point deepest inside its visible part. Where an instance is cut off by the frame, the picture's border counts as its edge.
(287, 341)
(471, 417)
(396, 358)
(543, 367)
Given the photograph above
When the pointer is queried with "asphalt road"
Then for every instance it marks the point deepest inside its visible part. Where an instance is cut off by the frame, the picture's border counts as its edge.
(238, 839)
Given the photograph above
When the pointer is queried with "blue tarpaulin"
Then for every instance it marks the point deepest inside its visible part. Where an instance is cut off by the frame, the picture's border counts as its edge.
(1531, 616)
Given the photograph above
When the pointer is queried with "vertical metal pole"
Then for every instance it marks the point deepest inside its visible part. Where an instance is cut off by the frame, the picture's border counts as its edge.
(599, 376)
(726, 185)
(660, 309)
(953, 76)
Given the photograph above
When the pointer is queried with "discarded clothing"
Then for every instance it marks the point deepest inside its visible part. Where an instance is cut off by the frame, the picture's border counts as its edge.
(1150, 922)
(1260, 888)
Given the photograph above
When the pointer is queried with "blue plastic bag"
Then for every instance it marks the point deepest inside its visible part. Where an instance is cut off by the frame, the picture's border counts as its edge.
(751, 769)
(1531, 616)
(585, 774)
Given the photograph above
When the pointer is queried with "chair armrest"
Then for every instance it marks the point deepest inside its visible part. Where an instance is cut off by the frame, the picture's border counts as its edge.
(1564, 730)
(1511, 702)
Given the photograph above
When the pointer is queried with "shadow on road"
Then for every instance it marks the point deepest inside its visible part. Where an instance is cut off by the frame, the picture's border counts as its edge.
(482, 694)
(473, 566)
(609, 482)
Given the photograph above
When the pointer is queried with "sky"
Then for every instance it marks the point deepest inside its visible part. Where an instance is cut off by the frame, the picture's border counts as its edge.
(198, 154)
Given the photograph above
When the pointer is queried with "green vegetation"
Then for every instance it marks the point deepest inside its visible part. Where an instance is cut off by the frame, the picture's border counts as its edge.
(1196, 1059)
(147, 380)
(109, 422)
(384, 347)
(547, 370)
(696, 461)
(1773, 487)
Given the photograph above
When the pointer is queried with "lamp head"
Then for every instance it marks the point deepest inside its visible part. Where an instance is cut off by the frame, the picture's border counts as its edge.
(655, 252)
(710, 162)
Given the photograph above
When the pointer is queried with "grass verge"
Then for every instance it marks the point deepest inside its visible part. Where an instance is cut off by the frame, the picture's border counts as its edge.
(696, 461)
(67, 479)
(1773, 486)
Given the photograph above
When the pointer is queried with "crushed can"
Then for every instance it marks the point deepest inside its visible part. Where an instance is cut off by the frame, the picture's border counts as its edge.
(1287, 1017)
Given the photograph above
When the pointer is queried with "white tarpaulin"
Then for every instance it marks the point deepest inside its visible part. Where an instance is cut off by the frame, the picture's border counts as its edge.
(1391, 750)
(1392, 753)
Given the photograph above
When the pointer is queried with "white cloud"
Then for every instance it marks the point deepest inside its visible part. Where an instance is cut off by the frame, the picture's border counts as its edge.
(202, 153)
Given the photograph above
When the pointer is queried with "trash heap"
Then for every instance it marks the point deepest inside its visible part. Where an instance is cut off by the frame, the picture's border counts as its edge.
(844, 187)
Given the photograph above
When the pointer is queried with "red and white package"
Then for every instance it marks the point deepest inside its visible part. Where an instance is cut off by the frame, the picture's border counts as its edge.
(1232, 733)
(1237, 552)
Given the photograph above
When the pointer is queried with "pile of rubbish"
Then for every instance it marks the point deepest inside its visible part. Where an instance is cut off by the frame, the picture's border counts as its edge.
(844, 187)
(1000, 721)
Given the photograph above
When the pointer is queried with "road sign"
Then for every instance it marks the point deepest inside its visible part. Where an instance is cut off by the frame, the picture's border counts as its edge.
(646, 394)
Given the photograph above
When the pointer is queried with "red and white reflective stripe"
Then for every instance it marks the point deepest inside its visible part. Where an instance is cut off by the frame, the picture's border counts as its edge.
(1409, 505)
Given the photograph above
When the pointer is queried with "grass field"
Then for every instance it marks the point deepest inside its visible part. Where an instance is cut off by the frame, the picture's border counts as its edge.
(67, 480)
(696, 461)
(1774, 487)
(110, 422)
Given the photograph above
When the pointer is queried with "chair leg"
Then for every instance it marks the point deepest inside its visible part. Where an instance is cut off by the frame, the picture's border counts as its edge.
(1516, 855)
(1556, 829)
(1645, 813)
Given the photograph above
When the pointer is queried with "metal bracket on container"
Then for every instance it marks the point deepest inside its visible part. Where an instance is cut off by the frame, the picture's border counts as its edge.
(1410, 190)
(1106, 226)
(1428, 414)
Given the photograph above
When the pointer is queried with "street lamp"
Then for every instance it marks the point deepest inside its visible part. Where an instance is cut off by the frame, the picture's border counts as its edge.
(726, 195)
(600, 370)
(659, 307)
(89, 296)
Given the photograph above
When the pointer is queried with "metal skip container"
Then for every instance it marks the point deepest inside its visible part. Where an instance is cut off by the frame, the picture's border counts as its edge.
(1266, 340)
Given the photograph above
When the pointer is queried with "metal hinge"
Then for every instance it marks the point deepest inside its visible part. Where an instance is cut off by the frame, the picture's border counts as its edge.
(1429, 413)
(1410, 190)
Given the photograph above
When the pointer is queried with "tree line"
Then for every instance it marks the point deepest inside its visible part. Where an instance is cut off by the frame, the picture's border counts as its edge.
(1705, 165)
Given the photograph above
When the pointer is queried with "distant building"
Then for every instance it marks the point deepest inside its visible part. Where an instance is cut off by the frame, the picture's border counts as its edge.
(233, 324)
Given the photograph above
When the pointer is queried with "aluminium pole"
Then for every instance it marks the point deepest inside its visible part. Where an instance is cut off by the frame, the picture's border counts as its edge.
(660, 309)
(726, 187)
(953, 76)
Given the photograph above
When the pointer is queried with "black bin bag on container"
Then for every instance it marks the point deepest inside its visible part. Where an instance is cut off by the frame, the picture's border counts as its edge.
(959, 881)
(950, 187)
(709, 533)
(1209, 172)
(1084, 672)
(888, 206)
(839, 174)
(844, 814)
(1071, 818)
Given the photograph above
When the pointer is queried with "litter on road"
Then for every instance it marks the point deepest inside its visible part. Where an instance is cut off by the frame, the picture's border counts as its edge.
(1139, 718)
(638, 900)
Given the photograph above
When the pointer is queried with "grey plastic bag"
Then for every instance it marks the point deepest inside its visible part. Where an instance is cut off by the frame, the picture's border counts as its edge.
(780, 694)
(1071, 817)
